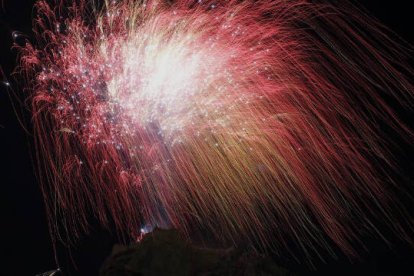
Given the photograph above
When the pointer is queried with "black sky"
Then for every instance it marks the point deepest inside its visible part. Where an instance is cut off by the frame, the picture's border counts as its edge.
(25, 244)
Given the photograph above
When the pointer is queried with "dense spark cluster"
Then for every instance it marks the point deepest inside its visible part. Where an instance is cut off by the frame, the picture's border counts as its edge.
(247, 120)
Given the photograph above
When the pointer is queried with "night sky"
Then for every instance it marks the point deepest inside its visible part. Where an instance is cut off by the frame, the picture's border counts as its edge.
(26, 247)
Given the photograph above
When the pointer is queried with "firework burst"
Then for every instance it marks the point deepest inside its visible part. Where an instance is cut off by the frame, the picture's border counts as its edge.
(241, 119)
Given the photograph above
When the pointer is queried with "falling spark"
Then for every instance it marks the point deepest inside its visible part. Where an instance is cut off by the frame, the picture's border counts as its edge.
(250, 120)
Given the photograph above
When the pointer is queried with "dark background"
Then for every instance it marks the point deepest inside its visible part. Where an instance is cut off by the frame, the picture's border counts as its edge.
(25, 245)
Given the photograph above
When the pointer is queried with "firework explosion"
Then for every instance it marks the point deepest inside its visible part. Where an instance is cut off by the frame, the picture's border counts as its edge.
(241, 119)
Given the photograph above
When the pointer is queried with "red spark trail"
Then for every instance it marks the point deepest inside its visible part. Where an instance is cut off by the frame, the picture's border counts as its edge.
(252, 120)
